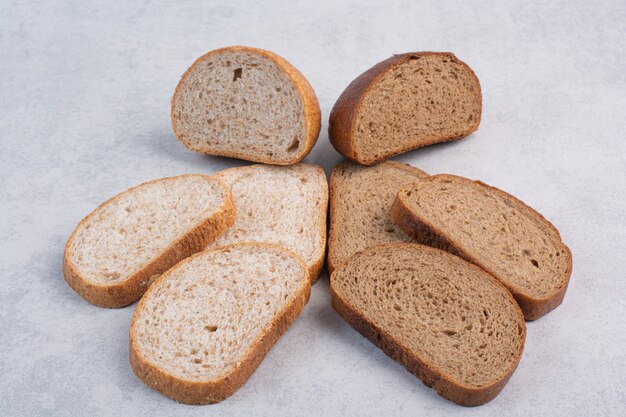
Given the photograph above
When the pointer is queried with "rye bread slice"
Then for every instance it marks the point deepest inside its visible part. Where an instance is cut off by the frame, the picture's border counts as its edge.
(493, 230)
(360, 199)
(206, 324)
(405, 102)
(281, 205)
(246, 103)
(117, 250)
(448, 322)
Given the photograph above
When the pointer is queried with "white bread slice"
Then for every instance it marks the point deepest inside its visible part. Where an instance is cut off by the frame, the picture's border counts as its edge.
(205, 325)
(447, 321)
(492, 229)
(246, 103)
(117, 250)
(281, 205)
(360, 199)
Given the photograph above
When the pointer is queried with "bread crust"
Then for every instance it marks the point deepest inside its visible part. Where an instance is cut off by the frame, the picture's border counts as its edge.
(342, 121)
(426, 372)
(315, 268)
(213, 391)
(311, 109)
(426, 233)
(126, 292)
(334, 230)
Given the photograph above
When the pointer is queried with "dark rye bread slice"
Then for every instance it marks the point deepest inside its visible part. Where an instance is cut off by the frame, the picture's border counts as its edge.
(246, 103)
(493, 230)
(448, 322)
(405, 102)
(360, 199)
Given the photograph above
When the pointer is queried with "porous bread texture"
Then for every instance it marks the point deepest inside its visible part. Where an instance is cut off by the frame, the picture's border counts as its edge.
(447, 321)
(206, 324)
(116, 250)
(281, 205)
(493, 230)
(360, 199)
(246, 103)
(406, 102)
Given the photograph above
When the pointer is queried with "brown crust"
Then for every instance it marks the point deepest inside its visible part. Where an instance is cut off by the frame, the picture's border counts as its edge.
(341, 124)
(426, 233)
(125, 292)
(315, 268)
(311, 109)
(427, 373)
(207, 392)
(332, 232)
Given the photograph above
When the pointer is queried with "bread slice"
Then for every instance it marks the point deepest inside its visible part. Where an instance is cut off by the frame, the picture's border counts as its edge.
(281, 205)
(405, 102)
(360, 199)
(447, 321)
(205, 325)
(493, 230)
(246, 103)
(117, 250)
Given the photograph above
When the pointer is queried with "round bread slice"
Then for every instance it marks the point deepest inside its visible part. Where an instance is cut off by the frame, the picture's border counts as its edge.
(405, 102)
(118, 249)
(246, 103)
(492, 229)
(205, 325)
(448, 322)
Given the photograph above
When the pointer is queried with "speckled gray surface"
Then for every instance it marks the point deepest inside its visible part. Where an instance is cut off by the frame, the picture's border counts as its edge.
(84, 101)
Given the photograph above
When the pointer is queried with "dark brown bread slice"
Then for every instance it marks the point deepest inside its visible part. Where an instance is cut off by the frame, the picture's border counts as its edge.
(493, 230)
(405, 102)
(360, 199)
(447, 321)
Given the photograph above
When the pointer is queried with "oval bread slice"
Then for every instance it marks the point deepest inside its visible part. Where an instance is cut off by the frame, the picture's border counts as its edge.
(280, 205)
(205, 325)
(405, 102)
(493, 230)
(246, 103)
(447, 321)
(360, 199)
(118, 249)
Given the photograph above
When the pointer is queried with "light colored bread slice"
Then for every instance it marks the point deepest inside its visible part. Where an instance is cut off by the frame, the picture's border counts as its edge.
(405, 102)
(281, 205)
(118, 249)
(360, 199)
(246, 103)
(493, 230)
(447, 321)
(205, 325)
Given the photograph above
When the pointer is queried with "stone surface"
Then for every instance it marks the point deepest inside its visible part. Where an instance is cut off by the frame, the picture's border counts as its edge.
(84, 113)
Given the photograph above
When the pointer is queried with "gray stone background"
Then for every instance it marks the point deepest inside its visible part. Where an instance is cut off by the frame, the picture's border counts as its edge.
(84, 114)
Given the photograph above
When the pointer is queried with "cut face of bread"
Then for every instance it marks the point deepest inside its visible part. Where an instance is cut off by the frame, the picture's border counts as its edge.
(405, 102)
(203, 327)
(280, 205)
(246, 103)
(447, 321)
(493, 230)
(360, 199)
(119, 248)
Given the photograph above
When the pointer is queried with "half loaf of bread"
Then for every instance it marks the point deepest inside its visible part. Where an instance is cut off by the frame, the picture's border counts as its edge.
(246, 103)
(405, 102)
